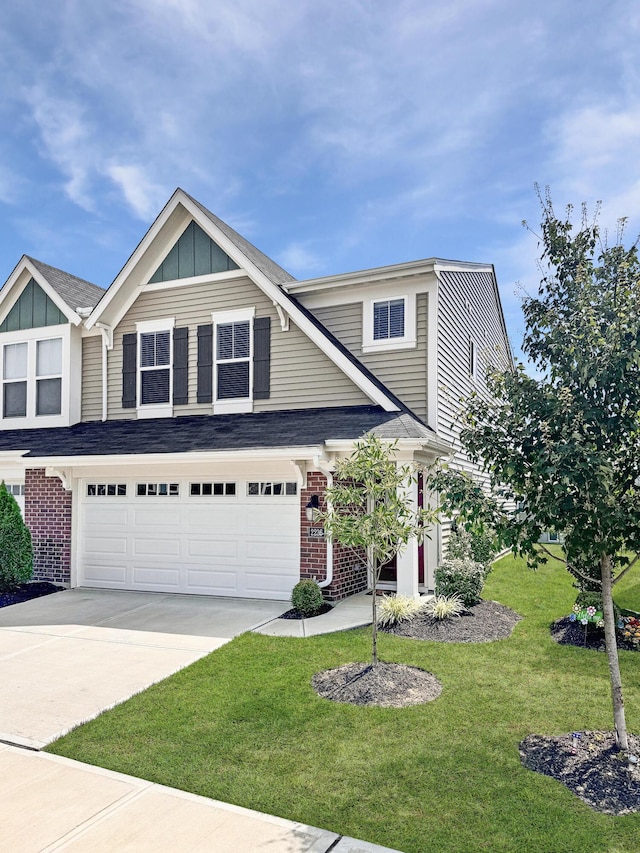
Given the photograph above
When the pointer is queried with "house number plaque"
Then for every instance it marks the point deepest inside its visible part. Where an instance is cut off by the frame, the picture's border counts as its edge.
(316, 533)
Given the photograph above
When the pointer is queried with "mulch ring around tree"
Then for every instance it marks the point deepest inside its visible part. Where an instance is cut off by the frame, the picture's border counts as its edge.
(481, 623)
(27, 591)
(590, 766)
(387, 685)
(569, 633)
(296, 614)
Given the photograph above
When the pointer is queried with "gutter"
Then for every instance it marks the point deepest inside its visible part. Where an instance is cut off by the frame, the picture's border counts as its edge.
(323, 465)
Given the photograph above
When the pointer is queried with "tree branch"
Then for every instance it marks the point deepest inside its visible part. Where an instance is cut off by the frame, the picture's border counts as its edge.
(625, 570)
(551, 554)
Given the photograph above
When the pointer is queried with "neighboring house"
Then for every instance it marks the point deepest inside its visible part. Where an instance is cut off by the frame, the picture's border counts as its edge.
(175, 432)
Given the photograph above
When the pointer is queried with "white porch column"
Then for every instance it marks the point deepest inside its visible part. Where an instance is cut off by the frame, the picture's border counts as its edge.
(407, 559)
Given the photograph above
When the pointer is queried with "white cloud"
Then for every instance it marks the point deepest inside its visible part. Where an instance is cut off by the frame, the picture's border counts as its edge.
(299, 260)
(142, 195)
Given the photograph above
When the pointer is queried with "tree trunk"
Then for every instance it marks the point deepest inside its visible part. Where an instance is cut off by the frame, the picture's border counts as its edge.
(612, 653)
(374, 613)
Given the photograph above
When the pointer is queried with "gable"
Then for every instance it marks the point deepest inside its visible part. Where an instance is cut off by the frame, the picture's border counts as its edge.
(193, 254)
(33, 309)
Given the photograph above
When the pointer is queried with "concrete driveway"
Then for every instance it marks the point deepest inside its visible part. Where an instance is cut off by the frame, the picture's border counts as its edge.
(66, 657)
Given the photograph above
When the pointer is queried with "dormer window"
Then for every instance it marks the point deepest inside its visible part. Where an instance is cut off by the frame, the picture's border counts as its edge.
(389, 323)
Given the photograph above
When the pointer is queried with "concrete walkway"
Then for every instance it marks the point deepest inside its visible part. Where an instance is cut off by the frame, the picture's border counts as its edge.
(51, 803)
(65, 658)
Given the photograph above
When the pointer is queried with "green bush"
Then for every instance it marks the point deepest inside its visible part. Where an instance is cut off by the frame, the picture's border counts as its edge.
(442, 607)
(393, 609)
(477, 545)
(462, 577)
(307, 598)
(16, 555)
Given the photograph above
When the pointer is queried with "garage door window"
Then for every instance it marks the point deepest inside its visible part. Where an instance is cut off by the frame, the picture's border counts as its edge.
(106, 490)
(157, 490)
(212, 489)
(272, 489)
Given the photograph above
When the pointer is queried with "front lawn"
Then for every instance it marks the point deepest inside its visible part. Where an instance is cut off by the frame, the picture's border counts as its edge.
(244, 725)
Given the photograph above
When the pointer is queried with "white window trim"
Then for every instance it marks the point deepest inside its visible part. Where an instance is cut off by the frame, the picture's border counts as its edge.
(407, 341)
(154, 410)
(31, 338)
(239, 405)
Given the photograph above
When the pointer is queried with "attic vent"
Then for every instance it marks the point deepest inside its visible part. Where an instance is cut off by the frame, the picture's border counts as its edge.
(32, 309)
(195, 253)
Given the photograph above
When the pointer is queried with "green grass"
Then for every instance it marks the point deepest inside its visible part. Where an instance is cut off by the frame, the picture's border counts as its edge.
(244, 725)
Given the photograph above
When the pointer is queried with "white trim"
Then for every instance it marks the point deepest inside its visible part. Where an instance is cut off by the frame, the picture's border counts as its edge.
(234, 316)
(433, 297)
(163, 325)
(406, 341)
(273, 291)
(210, 278)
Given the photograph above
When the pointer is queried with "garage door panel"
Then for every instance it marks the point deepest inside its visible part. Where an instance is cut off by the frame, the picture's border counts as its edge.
(157, 547)
(103, 546)
(156, 518)
(232, 545)
(213, 549)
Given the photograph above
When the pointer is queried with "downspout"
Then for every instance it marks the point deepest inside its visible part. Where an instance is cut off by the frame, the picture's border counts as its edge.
(323, 466)
(107, 344)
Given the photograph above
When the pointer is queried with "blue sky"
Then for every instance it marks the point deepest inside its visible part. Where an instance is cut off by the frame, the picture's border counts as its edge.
(334, 134)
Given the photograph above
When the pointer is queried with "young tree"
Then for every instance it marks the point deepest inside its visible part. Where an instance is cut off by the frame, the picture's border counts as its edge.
(568, 442)
(16, 558)
(369, 510)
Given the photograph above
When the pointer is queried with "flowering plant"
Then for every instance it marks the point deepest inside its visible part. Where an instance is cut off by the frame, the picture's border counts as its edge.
(587, 616)
(629, 627)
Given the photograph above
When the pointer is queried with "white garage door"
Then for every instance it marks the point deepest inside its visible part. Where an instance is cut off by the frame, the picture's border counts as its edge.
(208, 537)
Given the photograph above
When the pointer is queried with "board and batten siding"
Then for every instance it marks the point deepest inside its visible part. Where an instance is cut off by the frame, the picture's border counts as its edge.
(403, 371)
(92, 378)
(302, 376)
(467, 310)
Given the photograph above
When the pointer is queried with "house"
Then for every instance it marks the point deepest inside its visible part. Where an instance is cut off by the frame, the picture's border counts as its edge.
(174, 432)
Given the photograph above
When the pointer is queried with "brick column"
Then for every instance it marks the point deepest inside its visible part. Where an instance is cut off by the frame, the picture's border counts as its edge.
(47, 513)
(349, 571)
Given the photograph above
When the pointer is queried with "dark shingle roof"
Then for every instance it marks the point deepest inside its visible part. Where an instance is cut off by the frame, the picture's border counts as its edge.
(76, 292)
(296, 428)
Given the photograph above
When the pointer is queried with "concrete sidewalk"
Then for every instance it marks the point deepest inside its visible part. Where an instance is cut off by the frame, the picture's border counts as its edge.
(52, 803)
(353, 612)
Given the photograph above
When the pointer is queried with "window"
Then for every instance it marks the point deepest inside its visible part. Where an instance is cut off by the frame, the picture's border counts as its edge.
(154, 490)
(15, 489)
(388, 319)
(553, 537)
(212, 489)
(32, 378)
(101, 490)
(155, 371)
(389, 324)
(233, 361)
(272, 489)
(155, 367)
(473, 358)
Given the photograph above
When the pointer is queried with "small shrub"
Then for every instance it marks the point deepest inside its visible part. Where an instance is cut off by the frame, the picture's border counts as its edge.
(306, 597)
(477, 545)
(16, 556)
(462, 577)
(442, 607)
(393, 609)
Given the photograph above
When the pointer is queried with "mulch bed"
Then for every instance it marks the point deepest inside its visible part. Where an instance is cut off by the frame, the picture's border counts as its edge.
(296, 614)
(484, 622)
(27, 591)
(590, 766)
(569, 633)
(387, 685)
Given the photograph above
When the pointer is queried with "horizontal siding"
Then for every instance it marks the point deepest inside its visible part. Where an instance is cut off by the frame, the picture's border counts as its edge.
(91, 379)
(467, 310)
(404, 372)
(302, 376)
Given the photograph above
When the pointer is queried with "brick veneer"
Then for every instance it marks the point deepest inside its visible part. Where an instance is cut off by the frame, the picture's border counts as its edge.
(349, 570)
(47, 512)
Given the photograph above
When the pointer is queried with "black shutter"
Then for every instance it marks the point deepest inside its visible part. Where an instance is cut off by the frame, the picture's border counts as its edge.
(261, 357)
(181, 366)
(205, 363)
(129, 370)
